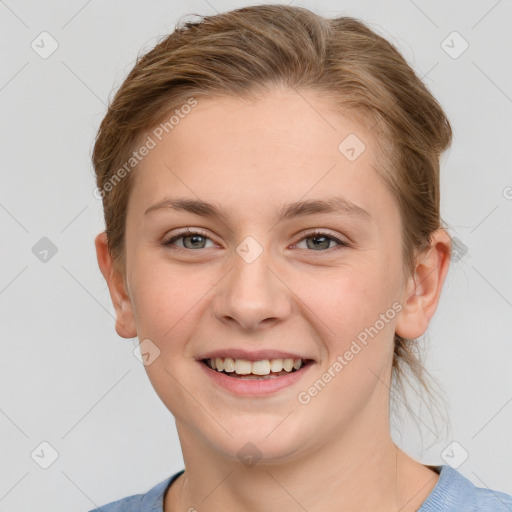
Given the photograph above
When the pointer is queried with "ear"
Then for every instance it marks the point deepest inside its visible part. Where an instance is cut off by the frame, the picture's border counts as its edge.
(125, 321)
(424, 287)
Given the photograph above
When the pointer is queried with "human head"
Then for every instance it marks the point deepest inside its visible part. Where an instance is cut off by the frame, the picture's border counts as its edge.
(243, 53)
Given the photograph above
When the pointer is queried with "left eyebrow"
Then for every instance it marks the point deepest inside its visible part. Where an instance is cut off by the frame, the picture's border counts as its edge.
(286, 212)
(314, 206)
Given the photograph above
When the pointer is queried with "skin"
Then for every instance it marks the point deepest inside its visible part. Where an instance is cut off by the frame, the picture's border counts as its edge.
(336, 452)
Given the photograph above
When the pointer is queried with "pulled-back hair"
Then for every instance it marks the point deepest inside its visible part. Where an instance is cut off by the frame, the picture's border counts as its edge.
(246, 52)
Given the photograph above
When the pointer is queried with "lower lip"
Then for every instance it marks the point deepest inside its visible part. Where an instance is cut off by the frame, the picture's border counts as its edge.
(255, 387)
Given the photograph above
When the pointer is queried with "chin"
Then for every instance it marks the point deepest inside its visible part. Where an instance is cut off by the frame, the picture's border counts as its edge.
(261, 442)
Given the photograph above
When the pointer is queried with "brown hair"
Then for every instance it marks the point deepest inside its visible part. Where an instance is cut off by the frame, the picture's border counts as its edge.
(244, 52)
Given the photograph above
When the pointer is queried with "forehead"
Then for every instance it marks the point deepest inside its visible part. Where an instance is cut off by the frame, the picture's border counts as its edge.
(282, 147)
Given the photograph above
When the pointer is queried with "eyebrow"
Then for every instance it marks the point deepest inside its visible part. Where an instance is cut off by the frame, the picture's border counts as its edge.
(286, 212)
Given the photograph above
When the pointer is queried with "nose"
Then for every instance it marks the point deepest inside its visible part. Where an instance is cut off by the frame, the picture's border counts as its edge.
(252, 296)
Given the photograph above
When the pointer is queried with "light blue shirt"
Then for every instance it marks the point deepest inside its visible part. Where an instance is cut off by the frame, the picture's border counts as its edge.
(453, 493)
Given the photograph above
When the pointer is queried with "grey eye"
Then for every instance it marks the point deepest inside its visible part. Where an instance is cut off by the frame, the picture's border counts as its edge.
(191, 240)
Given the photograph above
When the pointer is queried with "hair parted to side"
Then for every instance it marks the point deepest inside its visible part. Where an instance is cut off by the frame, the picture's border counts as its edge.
(246, 52)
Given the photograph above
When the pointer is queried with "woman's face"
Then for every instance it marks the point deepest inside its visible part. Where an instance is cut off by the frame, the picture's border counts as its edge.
(257, 280)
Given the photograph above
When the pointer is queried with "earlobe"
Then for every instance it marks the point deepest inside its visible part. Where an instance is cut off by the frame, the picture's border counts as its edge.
(423, 292)
(125, 321)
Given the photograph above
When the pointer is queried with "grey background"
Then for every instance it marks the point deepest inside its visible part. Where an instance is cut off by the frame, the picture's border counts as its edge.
(67, 379)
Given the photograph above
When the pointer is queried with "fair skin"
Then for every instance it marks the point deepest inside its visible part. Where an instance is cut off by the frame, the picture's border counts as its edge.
(335, 452)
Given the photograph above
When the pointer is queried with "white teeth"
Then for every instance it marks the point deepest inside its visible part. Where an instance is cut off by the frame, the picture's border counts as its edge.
(262, 367)
(229, 364)
(242, 366)
(276, 365)
(288, 365)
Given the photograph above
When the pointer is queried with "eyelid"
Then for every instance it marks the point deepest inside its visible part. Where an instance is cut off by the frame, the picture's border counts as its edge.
(308, 234)
(324, 232)
(187, 232)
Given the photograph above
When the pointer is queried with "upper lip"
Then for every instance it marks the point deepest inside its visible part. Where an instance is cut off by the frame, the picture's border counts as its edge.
(253, 355)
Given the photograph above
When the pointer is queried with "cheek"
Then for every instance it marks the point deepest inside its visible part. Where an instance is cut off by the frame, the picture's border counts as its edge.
(355, 305)
(355, 319)
(170, 301)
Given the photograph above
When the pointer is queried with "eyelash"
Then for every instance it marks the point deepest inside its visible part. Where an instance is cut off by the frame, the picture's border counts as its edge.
(314, 234)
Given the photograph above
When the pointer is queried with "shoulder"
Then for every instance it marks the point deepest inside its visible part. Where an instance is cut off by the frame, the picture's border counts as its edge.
(128, 504)
(453, 490)
(151, 501)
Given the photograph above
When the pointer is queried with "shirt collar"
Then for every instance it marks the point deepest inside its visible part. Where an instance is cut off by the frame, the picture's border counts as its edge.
(153, 500)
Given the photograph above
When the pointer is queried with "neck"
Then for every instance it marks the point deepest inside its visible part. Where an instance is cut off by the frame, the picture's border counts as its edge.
(360, 469)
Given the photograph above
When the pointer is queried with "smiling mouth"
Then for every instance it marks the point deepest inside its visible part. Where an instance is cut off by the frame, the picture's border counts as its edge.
(256, 370)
